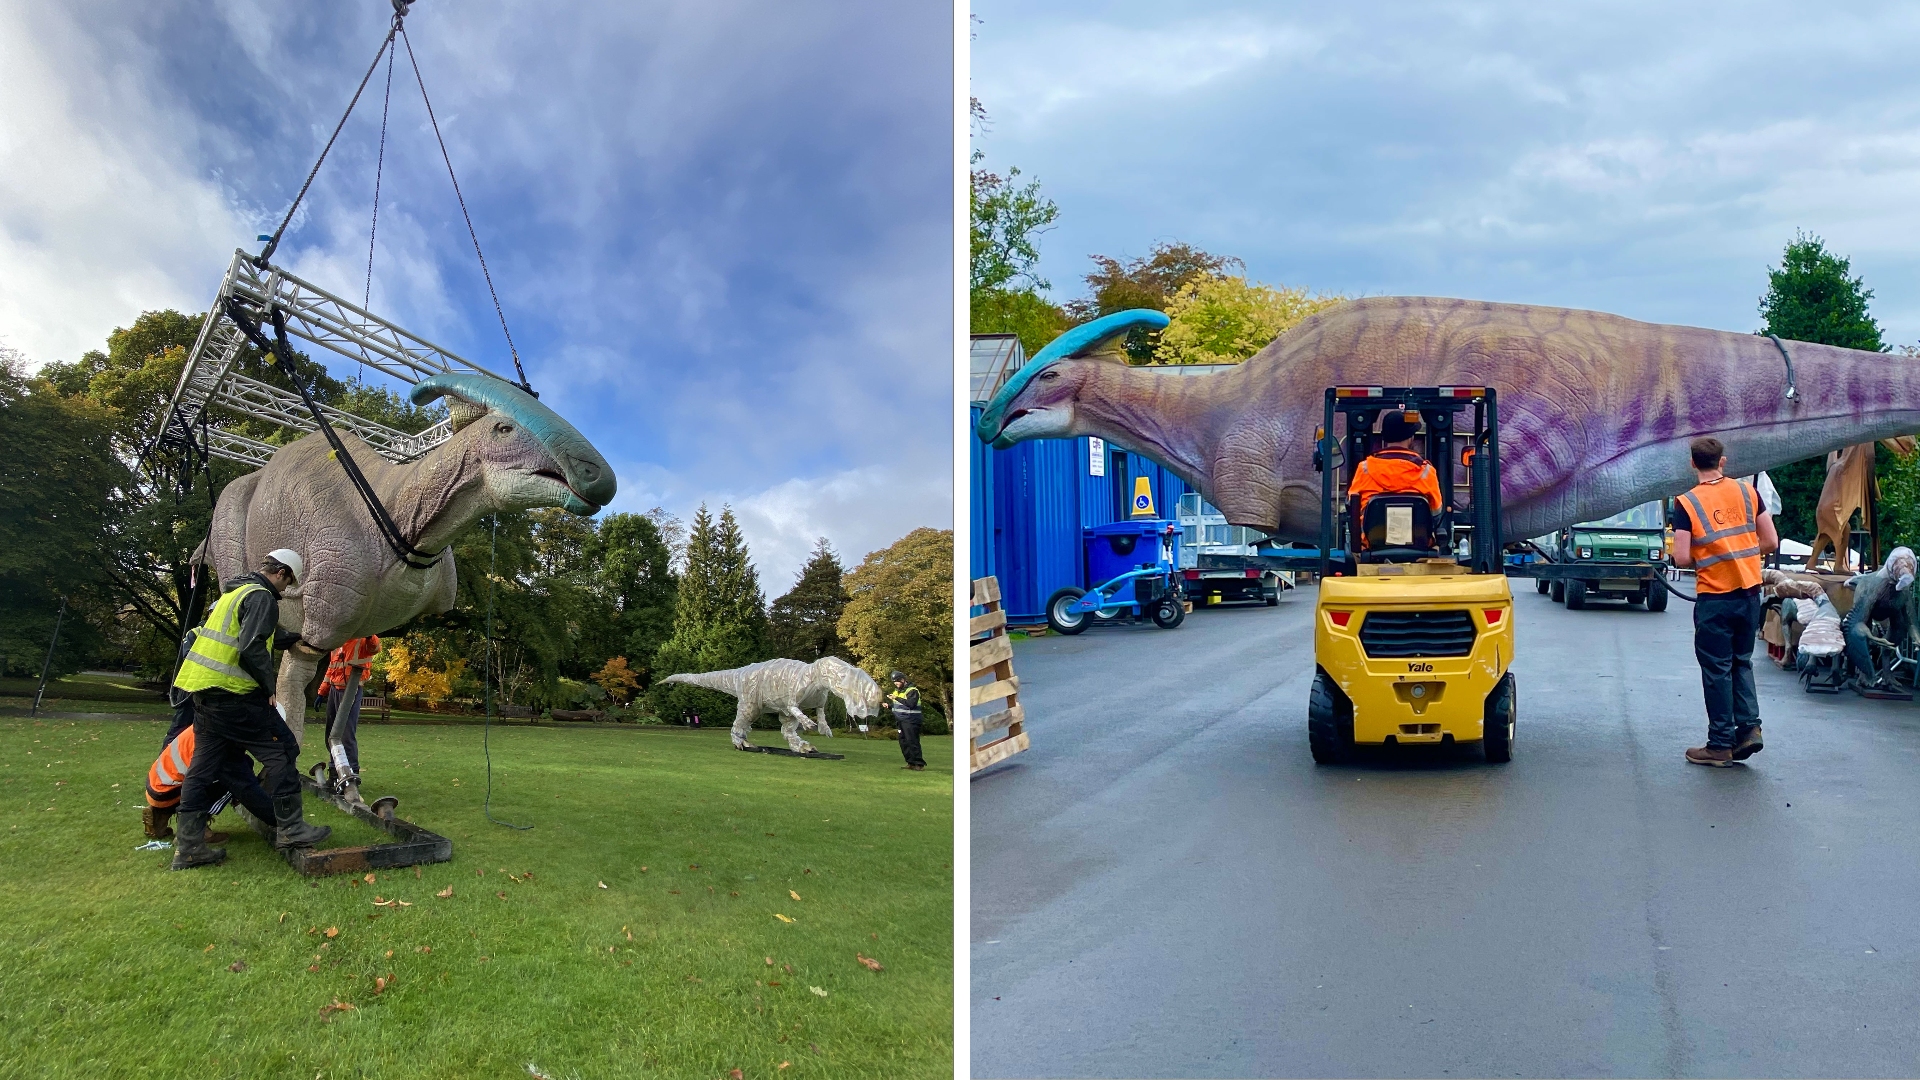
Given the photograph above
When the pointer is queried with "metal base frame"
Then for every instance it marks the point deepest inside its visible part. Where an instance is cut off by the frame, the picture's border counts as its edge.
(784, 752)
(412, 844)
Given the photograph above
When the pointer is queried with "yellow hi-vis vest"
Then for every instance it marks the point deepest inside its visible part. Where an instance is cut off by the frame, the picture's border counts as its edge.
(214, 660)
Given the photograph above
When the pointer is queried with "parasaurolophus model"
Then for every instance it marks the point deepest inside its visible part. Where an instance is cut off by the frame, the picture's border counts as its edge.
(508, 452)
(1596, 410)
(788, 688)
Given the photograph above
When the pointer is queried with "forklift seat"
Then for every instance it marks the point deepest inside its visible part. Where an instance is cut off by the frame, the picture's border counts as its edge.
(1395, 528)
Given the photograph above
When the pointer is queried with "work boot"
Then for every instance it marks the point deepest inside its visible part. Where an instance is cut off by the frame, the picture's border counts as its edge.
(190, 843)
(1749, 744)
(292, 828)
(1719, 757)
(153, 821)
(260, 828)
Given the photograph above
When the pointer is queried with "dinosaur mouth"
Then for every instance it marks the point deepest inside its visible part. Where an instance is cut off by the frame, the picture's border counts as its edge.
(576, 502)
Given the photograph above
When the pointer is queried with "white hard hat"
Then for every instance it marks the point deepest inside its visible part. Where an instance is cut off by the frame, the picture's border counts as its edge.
(290, 559)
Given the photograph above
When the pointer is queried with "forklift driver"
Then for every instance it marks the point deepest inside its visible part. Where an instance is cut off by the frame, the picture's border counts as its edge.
(1395, 469)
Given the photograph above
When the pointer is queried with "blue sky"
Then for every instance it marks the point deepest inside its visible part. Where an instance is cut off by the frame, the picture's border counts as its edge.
(722, 232)
(1646, 159)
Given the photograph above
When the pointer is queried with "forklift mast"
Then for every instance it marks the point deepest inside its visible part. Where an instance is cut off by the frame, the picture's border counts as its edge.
(1444, 442)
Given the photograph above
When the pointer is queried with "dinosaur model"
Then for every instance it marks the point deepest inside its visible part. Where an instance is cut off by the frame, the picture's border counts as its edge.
(1845, 493)
(787, 688)
(1595, 410)
(507, 452)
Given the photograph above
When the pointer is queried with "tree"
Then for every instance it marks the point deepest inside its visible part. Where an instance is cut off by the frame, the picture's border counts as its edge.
(899, 613)
(805, 623)
(719, 618)
(58, 476)
(1150, 282)
(636, 577)
(617, 680)
(1224, 320)
(1006, 219)
(1812, 297)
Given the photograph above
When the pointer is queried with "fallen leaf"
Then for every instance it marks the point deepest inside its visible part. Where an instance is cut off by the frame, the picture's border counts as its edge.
(603, 884)
(511, 878)
(333, 931)
(501, 895)
(444, 893)
(782, 1065)
(380, 983)
(377, 902)
(283, 915)
(424, 948)
(389, 954)
(416, 873)
(404, 903)
(643, 869)
(870, 962)
(338, 1006)
(369, 879)
(627, 932)
(313, 967)
(209, 948)
(237, 965)
(793, 894)
(527, 874)
(817, 992)
(788, 968)
(774, 984)
(776, 915)
(693, 866)
(769, 961)
(736, 1074)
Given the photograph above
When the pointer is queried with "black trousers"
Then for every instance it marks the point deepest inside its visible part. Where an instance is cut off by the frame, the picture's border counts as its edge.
(1724, 625)
(226, 726)
(910, 737)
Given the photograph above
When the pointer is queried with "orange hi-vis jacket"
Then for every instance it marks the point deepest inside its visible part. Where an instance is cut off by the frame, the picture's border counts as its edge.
(1725, 536)
(169, 771)
(355, 653)
(1394, 471)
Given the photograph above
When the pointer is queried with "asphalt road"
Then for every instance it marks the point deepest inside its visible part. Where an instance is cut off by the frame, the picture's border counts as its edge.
(1166, 885)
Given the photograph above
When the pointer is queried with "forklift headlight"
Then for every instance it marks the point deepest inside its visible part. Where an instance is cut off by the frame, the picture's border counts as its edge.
(1586, 553)
(1655, 554)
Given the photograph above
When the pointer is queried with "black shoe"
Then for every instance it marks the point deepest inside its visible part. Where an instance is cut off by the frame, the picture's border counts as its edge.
(291, 828)
(190, 843)
(1748, 744)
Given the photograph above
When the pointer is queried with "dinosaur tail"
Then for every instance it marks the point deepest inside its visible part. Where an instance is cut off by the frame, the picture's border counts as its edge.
(727, 682)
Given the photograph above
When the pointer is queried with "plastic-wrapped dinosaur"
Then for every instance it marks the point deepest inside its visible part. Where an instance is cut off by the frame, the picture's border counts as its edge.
(788, 688)
(1595, 410)
(507, 452)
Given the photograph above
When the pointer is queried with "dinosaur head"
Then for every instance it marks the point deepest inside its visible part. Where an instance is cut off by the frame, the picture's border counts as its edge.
(532, 457)
(855, 688)
(1038, 402)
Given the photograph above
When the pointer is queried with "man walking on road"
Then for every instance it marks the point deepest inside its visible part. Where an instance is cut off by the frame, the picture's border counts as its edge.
(229, 672)
(1723, 530)
(904, 700)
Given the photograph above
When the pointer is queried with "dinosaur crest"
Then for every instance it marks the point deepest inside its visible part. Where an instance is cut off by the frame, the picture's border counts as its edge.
(470, 397)
(1083, 341)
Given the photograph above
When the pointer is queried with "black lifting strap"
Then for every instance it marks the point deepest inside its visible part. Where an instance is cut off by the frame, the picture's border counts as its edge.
(283, 353)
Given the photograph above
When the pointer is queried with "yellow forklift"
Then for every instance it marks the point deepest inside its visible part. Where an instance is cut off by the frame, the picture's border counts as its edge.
(1413, 631)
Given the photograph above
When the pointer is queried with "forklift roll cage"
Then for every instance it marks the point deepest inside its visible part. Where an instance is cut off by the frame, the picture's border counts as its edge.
(1445, 444)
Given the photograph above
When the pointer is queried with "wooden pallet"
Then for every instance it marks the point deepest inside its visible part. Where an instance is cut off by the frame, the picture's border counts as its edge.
(991, 653)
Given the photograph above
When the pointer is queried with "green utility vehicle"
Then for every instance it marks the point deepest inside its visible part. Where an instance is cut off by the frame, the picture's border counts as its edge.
(1615, 558)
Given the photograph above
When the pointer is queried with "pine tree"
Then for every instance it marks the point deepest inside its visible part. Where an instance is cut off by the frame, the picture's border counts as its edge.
(1812, 297)
(636, 574)
(719, 618)
(805, 623)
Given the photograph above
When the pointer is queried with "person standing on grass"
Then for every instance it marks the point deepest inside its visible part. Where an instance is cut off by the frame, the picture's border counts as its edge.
(1723, 530)
(904, 700)
(344, 692)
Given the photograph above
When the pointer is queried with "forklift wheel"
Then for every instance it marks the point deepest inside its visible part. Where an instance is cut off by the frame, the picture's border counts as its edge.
(1656, 596)
(1558, 592)
(1497, 735)
(1576, 595)
(1062, 621)
(1329, 722)
(1169, 613)
(1541, 585)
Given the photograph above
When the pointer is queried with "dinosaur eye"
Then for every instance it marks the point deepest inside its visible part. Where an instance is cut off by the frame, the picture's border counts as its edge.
(503, 429)
(1049, 375)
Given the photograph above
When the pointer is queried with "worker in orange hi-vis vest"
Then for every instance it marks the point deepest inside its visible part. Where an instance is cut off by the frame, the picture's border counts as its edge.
(344, 685)
(235, 784)
(1395, 469)
(1723, 530)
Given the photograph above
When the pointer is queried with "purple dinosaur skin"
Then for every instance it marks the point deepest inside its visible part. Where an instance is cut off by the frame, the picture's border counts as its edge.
(1595, 410)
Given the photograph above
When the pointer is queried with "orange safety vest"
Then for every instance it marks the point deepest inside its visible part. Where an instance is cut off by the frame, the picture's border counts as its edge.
(355, 653)
(1725, 535)
(169, 771)
(1394, 471)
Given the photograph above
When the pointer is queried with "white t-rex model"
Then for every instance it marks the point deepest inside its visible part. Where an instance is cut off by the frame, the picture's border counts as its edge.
(788, 688)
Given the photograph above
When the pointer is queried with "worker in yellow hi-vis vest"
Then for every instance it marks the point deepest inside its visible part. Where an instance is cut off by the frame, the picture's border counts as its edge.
(229, 672)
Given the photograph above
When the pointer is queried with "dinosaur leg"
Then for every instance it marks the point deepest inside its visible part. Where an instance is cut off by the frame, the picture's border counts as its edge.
(791, 718)
(820, 722)
(296, 671)
(742, 723)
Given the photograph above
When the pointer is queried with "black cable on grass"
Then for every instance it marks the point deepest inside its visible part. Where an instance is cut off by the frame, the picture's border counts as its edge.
(486, 682)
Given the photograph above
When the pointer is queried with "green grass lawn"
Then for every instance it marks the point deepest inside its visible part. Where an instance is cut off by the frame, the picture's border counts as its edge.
(111, 965)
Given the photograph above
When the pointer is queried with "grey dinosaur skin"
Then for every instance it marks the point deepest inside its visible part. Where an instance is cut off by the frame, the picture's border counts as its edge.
(787, 688)
(354, 584)
(1595, 410)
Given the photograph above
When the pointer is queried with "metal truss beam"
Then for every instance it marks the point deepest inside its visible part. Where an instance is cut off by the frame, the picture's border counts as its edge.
(209, 386)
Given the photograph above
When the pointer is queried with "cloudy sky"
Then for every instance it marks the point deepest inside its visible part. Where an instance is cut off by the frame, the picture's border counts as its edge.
(1646, 159)
(722, 231)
